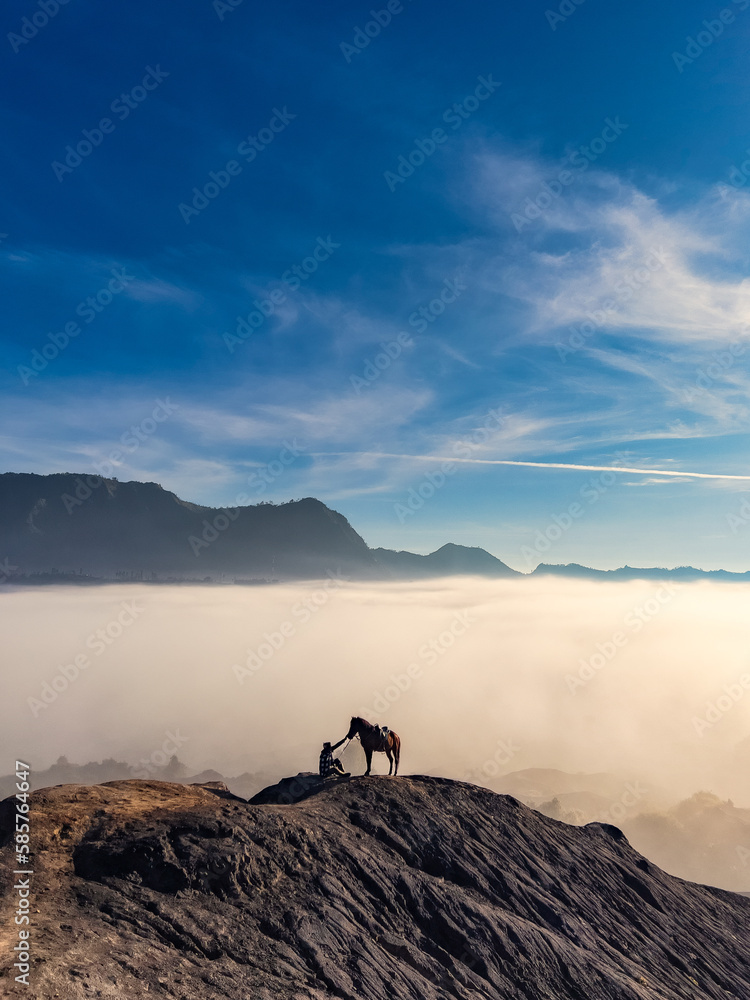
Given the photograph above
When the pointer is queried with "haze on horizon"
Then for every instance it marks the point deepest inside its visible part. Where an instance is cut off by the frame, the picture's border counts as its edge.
(640, 679)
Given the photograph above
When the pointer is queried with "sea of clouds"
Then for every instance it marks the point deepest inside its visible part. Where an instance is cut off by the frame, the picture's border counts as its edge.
(478, 677)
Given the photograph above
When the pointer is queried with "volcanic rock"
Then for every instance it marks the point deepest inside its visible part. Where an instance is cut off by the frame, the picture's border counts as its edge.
(366, 889)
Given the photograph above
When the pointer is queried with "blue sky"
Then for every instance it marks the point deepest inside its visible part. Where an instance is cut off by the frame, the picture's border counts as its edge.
(215, 216)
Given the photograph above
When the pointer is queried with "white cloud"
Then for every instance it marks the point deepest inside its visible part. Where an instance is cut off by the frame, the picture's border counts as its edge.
(155, 290)
(678, 475)
(668, 275)
(378, 410)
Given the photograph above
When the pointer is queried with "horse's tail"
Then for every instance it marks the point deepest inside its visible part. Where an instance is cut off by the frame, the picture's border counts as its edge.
(396, 750)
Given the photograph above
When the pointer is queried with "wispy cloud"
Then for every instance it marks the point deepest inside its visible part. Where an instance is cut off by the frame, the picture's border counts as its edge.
(552, 465)
(327, 418)
(669, 275)
(156, 290)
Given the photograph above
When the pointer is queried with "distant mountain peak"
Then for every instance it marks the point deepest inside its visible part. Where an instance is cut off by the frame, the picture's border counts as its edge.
(84, 527)
(449, 560)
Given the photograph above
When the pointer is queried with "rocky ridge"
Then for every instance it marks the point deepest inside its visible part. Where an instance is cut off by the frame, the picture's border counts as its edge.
(369, 888)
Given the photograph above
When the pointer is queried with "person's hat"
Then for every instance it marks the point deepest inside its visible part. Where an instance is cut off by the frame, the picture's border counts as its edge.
(326, 744)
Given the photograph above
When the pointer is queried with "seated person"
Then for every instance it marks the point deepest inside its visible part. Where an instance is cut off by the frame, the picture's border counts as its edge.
(329, 767)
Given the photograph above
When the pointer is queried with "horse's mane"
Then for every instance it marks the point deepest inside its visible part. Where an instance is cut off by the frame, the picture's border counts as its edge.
(358, 718)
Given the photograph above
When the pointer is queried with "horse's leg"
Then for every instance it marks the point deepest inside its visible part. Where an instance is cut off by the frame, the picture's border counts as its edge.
(397, 750)
(390, 760)
(368, 758)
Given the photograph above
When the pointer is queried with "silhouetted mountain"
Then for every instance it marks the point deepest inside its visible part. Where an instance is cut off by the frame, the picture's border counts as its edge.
(534, 784)
(104, 528)
(450, 560)
(369, 889)
(702, 838)
(685, 573)
(85, 529)
(63, 772)
(77, 528)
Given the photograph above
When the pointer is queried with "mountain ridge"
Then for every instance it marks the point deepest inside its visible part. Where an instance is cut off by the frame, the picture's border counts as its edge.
(687, 574)
(77, 527)
(370, 888)
(69, 527)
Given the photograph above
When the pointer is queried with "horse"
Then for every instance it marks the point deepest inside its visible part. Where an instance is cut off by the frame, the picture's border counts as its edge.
(372, 741)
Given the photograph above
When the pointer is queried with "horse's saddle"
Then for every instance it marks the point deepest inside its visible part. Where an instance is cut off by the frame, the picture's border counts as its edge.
(384, 731)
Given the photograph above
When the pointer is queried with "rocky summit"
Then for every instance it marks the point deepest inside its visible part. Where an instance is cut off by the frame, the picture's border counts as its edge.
(369, 888)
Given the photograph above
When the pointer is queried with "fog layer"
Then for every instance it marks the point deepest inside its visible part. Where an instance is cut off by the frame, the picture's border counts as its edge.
(477, 677)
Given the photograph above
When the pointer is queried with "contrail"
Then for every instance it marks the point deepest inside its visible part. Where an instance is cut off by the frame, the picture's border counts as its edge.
(538, 465)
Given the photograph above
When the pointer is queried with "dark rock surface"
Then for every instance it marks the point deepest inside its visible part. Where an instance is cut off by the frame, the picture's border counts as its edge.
(369, 888)
(295, 789)
(97, 772)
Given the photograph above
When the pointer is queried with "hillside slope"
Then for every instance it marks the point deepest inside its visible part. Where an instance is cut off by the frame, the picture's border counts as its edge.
(142, 530)
(65, 524)
(373, 888)
(450, 559)
(69, 527)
